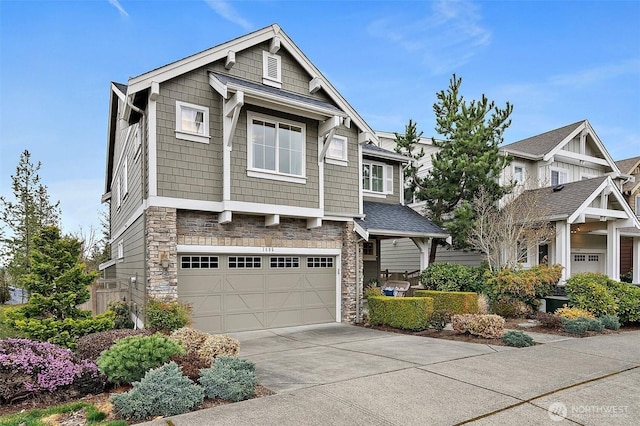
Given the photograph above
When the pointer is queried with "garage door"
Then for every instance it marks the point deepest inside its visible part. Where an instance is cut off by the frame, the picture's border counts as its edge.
(246, 292)
(587, 262)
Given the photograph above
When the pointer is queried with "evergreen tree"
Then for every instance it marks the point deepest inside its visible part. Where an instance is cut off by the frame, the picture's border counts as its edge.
(406, 145)
(23, 218)
(468, 159)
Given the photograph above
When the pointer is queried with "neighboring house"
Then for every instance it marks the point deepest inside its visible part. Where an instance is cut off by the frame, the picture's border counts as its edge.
(631, 193)
(240, 181)
(582, 186)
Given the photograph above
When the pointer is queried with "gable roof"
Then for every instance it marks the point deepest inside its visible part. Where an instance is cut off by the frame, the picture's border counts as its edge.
(396, 220)
(539, 145)
(375, 151)
(220, 51)
(627, 166)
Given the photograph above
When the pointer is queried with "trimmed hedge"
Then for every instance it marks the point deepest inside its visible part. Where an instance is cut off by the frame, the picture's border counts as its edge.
(456, 302)
(408, 313)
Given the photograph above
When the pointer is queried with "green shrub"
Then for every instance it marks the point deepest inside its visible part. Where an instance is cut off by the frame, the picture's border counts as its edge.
(627, 278)
(236, 363)
(487, 326)
(610, 322)
(130, 358)
(456, 302)
(60, 332)
(409, 313)
(572, 313)
(229, 379)
(91, 345)
(589, 291)
(166, 316)
(444, 276)
(510, 308)
(517, 339)
(163, 391)
(122, 314)
(581, 325)
(628, 300)
(526, 285)
(372, 290)
(439, 319)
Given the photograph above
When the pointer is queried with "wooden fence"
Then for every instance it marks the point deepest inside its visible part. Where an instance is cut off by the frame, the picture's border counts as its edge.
(412, 276)
(103, 291)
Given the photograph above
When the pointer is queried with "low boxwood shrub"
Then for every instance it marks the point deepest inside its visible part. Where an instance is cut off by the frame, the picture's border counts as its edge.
(218, 345)
(131, 357)
(487, 326)
(91, 345)
(408, 313)
(166, 316)
(610, 322)
(439, 319)
(517, 339)
(456, 302)
(163, 391)
(572, 313)
(443, 276)
(229, 379)
(29, 368)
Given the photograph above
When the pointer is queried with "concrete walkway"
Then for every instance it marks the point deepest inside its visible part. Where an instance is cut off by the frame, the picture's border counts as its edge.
(335, 374)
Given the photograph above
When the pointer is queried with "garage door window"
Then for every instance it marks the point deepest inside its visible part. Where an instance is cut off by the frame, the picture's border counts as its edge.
(320, 262)
(284, 262)
(245, 262)
(199, 262)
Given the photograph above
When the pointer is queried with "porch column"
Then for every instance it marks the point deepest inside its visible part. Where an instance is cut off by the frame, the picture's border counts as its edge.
(613, 251)
(563, 249)
(636, 260)
(424, 244)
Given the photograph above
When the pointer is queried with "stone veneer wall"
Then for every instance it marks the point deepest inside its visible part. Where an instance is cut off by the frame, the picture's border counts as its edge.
(202, 228)
(161, 236)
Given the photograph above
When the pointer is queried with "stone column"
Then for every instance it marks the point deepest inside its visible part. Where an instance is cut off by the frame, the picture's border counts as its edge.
(161, 237)
(351, 291)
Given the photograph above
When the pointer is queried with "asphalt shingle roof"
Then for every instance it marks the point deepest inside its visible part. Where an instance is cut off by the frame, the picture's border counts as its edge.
(566, 201)
(121, 87)
(225, 79)
(543, 143)
(627, 166)
(397, 218)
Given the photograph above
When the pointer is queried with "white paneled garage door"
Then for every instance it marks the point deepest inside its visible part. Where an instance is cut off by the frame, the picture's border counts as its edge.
(587, 262)
(251, 292)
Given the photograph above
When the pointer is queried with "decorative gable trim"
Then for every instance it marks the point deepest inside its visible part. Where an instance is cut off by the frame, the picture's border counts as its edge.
(606, 188)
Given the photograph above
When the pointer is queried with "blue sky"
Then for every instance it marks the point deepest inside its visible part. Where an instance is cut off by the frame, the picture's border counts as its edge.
(557, 62)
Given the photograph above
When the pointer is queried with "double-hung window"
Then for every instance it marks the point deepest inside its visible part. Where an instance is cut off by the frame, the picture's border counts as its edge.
(518, 174)
(192, 122)
(559, 176)
(377, 178)
(276, 149)
(337, 151)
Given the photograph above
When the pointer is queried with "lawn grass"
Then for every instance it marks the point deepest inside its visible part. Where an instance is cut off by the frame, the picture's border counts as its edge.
(5, 330)
(34, 417)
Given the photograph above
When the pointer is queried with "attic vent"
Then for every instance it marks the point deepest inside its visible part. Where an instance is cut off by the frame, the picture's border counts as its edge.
(558, 188)
(271, 69)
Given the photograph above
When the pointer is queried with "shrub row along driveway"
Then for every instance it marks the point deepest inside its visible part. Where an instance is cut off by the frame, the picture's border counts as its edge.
(341, 374)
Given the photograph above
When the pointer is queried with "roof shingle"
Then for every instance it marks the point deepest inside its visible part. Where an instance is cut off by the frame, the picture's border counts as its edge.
(567, 200)
(543, 143)
(397, 218)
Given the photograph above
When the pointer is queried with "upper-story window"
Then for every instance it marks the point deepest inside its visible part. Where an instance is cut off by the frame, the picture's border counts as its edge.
(637, 205)
(559, 176)
(276, 148)
(271, 69)
(377, 178)
(337, 151)
(192, 122)
(518, 174)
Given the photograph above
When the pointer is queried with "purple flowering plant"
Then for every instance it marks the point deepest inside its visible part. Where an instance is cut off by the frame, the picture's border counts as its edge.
(49, 366)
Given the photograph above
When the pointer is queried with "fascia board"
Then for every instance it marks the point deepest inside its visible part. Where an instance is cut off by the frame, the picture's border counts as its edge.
(564, 141)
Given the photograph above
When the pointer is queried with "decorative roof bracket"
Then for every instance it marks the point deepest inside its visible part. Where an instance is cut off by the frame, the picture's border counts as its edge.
(231, 112)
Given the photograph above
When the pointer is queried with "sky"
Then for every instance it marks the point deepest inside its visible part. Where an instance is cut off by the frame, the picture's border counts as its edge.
(557, 62)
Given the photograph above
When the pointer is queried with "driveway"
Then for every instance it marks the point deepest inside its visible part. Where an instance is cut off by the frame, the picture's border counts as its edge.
(342, 374)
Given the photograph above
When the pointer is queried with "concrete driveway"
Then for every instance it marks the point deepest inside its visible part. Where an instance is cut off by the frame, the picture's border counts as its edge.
(341, 374)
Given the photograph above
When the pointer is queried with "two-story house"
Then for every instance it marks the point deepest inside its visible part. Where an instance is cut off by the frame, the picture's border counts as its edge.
(631, 192)
(241, 182)
(583, 191)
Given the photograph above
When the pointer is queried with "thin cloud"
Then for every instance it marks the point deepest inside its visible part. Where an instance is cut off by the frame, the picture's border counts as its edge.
(594, 75)
(117, 5)
(228, 12)
(448, 37)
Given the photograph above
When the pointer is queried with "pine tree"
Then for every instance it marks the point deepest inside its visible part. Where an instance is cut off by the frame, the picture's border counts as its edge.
(406, 145)
(23, 218)
(468, 159)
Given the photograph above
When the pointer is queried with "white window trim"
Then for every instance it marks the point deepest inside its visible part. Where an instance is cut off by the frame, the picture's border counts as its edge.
(187, 135)
(637, 205)
(343, 160)
(266, 78)
(560, 171)
(387, 180)
(271, 174)
(513, 173)
(137, 143)
(120, 248)
(118, 190)
(125, 178)
(373, 256)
